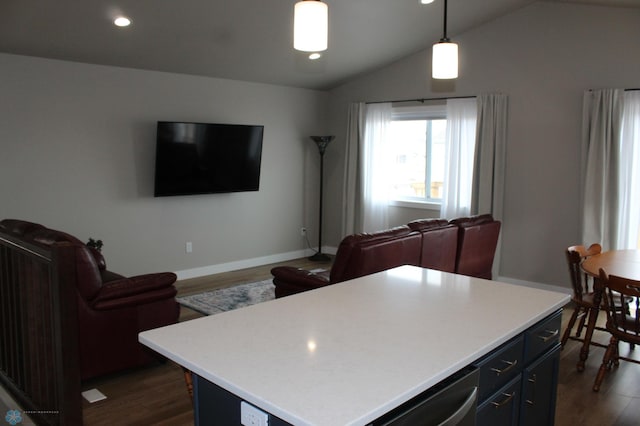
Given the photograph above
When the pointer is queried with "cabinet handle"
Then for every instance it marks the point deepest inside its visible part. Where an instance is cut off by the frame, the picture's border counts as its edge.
(509, 397)
(464, 409)
(532, 380)
(552, 334)
(511, 364)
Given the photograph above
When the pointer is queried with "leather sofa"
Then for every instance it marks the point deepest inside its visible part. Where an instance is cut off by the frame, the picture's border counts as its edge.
(112, 309)
(357, 255)
(465, 245)
(477, 242)
(439, 243)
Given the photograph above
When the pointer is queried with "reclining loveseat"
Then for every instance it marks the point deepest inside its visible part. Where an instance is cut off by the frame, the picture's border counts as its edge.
(465, 246)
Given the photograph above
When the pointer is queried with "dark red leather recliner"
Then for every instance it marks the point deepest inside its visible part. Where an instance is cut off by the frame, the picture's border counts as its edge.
(464, 246)
(477, 242)
(430, 243)
(357, 255)
(439, 243)
(112, 309)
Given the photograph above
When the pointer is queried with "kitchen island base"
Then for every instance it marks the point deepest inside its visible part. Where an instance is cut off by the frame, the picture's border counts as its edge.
(353, 352)
(515, 384)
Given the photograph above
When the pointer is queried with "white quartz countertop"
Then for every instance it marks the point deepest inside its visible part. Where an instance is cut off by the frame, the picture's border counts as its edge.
(347, 353)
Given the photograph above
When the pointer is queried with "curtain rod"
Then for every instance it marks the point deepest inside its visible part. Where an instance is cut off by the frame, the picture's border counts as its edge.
(626, 90)
(422, 100)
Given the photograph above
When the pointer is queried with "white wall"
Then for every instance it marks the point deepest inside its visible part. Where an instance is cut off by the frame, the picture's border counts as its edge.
(543, 57)
(77, 154)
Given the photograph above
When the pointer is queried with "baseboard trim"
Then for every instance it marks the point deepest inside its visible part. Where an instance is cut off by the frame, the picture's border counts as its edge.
(541, 286)
(248, 263)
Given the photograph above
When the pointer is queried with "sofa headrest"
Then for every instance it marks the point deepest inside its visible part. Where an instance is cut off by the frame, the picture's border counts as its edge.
(46, 237)
(19, 227)
(426, 224)
(38, 234)
(386, 234)
(472, 220)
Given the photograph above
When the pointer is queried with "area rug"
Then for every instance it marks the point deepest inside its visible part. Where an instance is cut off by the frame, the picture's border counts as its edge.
(227, 299)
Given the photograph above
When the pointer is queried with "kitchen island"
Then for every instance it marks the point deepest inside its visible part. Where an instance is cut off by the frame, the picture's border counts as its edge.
(348, 353)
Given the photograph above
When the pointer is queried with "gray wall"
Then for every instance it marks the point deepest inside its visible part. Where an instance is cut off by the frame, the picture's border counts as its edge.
(77, 143)
(543, 57)
(77, 149)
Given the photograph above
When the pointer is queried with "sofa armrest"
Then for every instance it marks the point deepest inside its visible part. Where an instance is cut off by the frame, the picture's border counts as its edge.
(289, 280)
(139, 301)
(135, 286)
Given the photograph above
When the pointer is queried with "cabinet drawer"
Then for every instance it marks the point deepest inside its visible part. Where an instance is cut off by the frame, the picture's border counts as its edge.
(500, 366)
(501, 409)
(542, 336)
(539, 389)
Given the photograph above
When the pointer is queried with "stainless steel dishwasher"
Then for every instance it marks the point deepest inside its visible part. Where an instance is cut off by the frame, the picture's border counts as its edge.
(449, 403)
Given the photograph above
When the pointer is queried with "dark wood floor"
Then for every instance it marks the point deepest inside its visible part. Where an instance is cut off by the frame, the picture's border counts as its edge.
(157, 395)
(618, 401)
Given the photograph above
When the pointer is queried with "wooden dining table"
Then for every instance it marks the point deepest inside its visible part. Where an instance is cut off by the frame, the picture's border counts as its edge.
(621, 263)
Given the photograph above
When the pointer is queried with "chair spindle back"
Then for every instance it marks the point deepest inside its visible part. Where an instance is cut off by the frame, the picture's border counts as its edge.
(619, 291)
(579, 279)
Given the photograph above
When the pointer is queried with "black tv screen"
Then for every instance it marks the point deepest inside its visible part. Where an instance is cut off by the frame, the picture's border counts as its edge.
(201, 158)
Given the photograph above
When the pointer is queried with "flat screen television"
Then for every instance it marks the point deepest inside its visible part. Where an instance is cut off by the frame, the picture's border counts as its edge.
(207, 158)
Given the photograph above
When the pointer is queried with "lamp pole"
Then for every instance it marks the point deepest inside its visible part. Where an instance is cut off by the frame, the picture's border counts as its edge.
(321, 142)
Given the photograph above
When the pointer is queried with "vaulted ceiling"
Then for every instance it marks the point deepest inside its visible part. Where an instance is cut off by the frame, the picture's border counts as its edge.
(242, 40)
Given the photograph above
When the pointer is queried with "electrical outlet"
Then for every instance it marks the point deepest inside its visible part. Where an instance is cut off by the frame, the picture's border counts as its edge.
(188, 247)
(303, 232)
(251, 416)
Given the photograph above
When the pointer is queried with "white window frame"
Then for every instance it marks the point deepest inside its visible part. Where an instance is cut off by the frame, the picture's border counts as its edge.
(422, 112)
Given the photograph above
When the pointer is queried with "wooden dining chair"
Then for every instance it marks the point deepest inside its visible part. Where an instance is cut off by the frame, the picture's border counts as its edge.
(623, 326)
(585, 299)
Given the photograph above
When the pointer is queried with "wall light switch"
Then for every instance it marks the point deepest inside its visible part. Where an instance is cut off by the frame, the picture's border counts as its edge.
(188, 247)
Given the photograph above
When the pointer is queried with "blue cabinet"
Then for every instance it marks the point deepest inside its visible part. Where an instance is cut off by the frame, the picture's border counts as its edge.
(539, 385)
(518, 380)
(501, 408)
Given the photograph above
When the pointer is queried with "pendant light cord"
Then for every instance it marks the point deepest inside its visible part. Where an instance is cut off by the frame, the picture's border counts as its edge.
(444, 38)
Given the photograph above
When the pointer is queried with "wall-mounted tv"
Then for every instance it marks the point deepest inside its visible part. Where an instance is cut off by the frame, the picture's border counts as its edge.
(203, 158)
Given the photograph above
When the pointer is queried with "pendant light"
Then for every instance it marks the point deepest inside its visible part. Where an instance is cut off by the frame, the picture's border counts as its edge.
(310, 26)
(444, 64)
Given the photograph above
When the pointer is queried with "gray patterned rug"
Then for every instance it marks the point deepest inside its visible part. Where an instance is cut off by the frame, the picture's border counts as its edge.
(227, 299)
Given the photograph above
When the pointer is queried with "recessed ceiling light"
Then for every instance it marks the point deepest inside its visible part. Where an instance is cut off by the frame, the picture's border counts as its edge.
(122, 21)
(315, 56)
(426, 1)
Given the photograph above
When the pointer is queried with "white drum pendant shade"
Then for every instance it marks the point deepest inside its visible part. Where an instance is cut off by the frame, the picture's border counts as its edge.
(445, 60)
(310, 26)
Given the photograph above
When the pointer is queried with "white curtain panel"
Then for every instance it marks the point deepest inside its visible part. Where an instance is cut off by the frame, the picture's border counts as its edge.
(490, 159)
(459, 157)
(602, 119)
(377, 157)
(352, 190)
(629, 178)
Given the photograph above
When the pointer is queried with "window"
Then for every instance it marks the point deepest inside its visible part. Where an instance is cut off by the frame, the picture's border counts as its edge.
(417, 144)
(427, 165)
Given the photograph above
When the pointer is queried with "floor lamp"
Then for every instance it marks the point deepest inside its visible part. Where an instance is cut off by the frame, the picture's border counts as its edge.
(322, 142)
